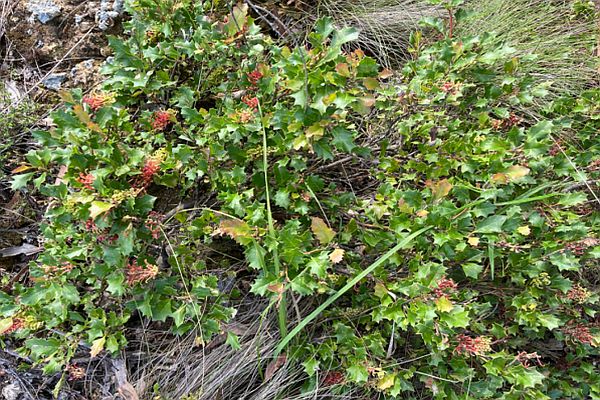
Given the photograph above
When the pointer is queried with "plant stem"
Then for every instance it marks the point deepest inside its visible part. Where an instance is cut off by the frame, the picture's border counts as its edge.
(282, 308)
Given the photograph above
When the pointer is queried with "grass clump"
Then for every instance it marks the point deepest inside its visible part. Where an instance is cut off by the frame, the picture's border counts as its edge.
(558, 36)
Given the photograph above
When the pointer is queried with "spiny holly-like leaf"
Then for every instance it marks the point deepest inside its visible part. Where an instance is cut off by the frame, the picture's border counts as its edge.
(99, 207)
(323, 233)
(492, 224)
(236, 229)
(386, 382)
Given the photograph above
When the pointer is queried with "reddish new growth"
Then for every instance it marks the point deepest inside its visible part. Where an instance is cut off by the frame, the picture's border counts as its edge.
(137, 273)
(594, 166)
(153, 223)
(17, 323)
(447, 87)
(472, 346)
(445, 287)
(254, 77)
(252, 102)
(151, 167)
(90, 226)
(331, 378)
(160, 120)
(554, 150)
(512, 120)
(75, 372)
(87, 180)
(525, 359)
(578, 248)
(579, 332)
(54, 269)
(95, 101)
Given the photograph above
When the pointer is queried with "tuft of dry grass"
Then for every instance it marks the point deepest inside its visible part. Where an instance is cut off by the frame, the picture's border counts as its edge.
(562, 42)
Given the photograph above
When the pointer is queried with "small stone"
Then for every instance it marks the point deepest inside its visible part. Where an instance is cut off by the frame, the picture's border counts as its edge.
(54, 81)
(11, 392)
(44, 10)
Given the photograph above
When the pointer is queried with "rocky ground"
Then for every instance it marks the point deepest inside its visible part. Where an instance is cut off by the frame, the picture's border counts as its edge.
(45, 46)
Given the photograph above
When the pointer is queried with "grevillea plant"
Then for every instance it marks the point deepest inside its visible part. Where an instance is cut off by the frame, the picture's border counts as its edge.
(445, 235)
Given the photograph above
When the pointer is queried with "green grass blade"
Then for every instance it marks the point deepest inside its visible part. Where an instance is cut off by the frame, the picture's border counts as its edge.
(347, 287)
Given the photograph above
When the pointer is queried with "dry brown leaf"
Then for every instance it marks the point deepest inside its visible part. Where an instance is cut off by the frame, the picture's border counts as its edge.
(336, 256)
(274, 366)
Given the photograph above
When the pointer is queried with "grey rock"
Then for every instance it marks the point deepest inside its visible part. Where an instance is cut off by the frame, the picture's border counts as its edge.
(12, 391)
(43, 10)
(54, 81)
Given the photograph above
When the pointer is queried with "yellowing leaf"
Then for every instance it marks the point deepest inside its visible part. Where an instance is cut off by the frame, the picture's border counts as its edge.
(85, 118)
(371, 83)
(21, 169)
(236, 229)
(473, 241)
(440, 189)
(342, 69)
(276, 288)
(315, 131)
(99, 207)
(323, 233)
(517, 172)
(499, 178)
(444, 304)
(386, 382)
(336, 256)
(5, 324)
(513, 173)
(524, 230)
(422, 213)
(386, 73)
(97, 346)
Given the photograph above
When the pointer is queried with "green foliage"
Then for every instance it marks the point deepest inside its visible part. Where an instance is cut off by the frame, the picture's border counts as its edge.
(482, 238)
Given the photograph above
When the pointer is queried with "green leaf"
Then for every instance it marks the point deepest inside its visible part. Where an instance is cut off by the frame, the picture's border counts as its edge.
(162, 310)
(343, 139)
(343, 36)
(565, 262)
(318, 265)
(457, 319)
(43, 347)
(549, 321)
(282, 198)
(573, 199)
(19, 181)
(311, 366)
(528, 377)
(541, 130)
(472, 270)
(233, 341)
(492, 224)
(357, 373)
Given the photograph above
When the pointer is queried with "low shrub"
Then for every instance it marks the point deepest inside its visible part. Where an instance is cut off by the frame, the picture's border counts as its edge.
(314, 163)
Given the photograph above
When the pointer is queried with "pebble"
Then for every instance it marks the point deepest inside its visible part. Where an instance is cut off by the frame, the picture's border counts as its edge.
(54, 81)
(44, 10)
(11, 392)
